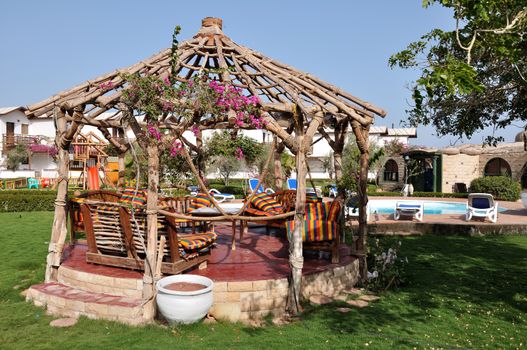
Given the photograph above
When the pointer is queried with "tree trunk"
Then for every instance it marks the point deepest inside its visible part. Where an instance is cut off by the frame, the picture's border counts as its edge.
(59, 230)
(151, 244)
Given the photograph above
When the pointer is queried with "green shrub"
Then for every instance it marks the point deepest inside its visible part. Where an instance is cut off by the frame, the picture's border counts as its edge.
(501, 187)
(28, 200)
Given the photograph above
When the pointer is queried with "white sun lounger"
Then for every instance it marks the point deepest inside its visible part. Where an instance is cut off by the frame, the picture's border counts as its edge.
(221, 197)
(415, 209)
(482, 205)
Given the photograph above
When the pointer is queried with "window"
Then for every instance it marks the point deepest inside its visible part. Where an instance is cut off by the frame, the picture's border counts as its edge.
(25, 129)
(497, 167)
(391, 171)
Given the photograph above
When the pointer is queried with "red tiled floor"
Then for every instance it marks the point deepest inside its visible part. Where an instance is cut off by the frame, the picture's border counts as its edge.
(257, 257)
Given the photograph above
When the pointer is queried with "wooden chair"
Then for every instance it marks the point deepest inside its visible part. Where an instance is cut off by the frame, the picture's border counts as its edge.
(116, 236)
(76, 219)
(321, 228)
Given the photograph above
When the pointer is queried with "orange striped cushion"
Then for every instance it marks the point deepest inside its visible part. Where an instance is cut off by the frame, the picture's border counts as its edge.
(197, 241)
(334, 211)
(200, 201)
(131, 196)
(314, 230)
(266, 203)
(312, 198)
(317, 211)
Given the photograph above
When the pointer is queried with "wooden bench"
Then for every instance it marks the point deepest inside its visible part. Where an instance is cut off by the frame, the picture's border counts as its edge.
(116, 236)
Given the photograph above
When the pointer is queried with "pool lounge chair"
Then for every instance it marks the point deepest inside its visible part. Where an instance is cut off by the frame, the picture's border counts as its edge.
(291, 184)
(482, 205)
(221, 197)
(415, 209)
(253, 182)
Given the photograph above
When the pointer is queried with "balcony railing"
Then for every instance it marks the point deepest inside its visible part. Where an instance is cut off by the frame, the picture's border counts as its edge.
(10, 141)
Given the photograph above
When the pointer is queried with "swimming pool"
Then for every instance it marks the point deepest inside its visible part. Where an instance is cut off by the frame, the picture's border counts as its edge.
(387, 206)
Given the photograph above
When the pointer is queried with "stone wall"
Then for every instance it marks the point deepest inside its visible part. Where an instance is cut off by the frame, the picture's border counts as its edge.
(459, 168)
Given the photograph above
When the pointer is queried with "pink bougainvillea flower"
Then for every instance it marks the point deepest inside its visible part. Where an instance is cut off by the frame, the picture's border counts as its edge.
(176, 148)
(153, 131)
(239, 153)
(195, 129)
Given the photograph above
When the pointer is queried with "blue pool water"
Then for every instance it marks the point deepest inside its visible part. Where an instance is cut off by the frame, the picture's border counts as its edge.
(387, 206)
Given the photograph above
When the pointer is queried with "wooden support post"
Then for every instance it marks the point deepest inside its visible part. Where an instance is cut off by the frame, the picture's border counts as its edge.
(361, 133)
(296, 259)
(200, 160)
(59, 230)
(120, 160)
(151, 243)
(278, 175)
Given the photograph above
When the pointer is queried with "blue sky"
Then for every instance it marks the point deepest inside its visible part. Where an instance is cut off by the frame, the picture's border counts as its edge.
(49, 46)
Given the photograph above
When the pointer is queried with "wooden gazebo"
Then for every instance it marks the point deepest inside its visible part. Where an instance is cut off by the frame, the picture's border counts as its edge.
(296, 106)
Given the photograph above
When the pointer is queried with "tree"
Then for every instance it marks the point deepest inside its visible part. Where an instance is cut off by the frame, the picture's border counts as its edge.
(329, 165)
(350, 162)
(17, 156)
(227, 152)
(473, 77)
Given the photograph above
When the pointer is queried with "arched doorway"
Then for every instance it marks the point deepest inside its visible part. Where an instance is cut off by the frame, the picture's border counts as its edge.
(497, 167)
(391, 171)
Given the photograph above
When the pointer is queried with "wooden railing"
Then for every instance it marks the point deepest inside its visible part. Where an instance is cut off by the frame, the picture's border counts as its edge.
(10, 141)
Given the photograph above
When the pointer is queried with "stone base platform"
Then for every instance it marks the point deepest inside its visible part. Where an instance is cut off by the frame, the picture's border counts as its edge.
(249, 282)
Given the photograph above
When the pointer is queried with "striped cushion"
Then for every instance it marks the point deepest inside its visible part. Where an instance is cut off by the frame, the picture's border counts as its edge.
(312, 197)
(317, 211)
(197, 241)
(200, 201)
(266, 203)
(334, 211)
(323, 211)
(314, 230)
(130, 196)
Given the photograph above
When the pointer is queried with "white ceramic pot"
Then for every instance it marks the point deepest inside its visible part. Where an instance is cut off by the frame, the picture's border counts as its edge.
(184, 307)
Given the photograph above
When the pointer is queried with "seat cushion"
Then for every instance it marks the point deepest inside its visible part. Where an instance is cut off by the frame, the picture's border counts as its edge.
(131, 196)
(196, 241)
(266, 203)
(480, 203)
(314, 230)
(200, 201)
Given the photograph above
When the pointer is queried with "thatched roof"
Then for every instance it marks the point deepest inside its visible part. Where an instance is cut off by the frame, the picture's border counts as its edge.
(278, 86)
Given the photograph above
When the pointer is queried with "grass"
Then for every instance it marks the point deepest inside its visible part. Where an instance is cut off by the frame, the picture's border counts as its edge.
(463, 292)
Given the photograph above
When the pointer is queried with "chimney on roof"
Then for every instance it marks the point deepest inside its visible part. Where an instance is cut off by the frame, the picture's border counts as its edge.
(210, 26)
(212, 22)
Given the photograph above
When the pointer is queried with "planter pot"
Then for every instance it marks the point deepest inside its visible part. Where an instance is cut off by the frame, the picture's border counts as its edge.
(184, 307)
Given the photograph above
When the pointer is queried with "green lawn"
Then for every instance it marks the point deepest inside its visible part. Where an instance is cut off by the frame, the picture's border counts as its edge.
(463, 293)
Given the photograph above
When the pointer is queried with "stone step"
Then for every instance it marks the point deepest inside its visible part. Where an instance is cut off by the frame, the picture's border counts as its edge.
(99, 283)
(63, 300)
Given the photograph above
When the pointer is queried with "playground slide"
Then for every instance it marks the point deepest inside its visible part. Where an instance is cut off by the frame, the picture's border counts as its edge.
(93, 178)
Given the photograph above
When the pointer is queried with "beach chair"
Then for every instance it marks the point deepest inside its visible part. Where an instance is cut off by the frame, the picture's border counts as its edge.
(413, 209)
(482, 205)
(221, 197)
(353, 208)
(291, 184)
(253, 182)
(333, 191)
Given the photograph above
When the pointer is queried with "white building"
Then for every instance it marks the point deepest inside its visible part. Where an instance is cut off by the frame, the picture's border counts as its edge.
(16, 128)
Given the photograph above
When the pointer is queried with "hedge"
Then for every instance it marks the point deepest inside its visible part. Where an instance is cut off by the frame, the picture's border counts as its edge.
(28, 200)
(501, 187)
